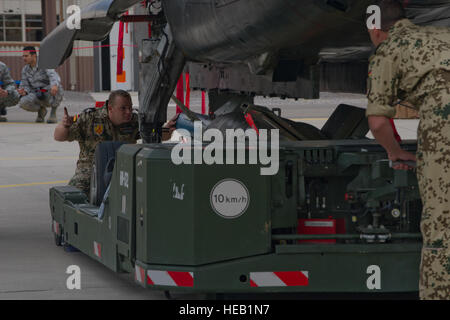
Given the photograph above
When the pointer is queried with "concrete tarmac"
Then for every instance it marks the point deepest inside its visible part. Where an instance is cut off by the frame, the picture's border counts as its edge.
(31, 266)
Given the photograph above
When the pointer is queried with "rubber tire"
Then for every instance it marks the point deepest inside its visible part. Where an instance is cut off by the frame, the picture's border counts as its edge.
(58, 240)
(103, 153)
(58, 237)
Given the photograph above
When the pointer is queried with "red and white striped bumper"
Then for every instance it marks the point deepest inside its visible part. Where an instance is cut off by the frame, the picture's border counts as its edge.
(186, 279)
(164, 278)
(279, 279)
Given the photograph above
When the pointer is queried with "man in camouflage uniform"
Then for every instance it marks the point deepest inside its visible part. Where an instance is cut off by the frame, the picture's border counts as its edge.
(40, 89)
(115, 121)
(8, 94)
(412, 64)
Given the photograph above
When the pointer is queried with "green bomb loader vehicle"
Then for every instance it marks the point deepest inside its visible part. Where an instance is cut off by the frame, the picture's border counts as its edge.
(334, 217)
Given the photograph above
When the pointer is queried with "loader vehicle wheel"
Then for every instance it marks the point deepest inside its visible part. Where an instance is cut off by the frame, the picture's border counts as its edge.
(105, 154)
(57, 236)
(58, 239)
(68, 248)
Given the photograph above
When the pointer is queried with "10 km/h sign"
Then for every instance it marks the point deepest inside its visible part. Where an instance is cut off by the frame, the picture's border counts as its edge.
(229, 198)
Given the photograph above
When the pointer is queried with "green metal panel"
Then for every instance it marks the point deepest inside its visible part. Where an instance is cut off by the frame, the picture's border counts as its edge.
(283, 192)
(58, 195)
(330, 268)
(405, 178)
(177, 226)
(122, 206)
(96, 237)
(184, 229)
(90, 235)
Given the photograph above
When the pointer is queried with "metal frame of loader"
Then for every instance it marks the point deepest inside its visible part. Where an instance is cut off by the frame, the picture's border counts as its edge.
(174, 242)
(183, 245)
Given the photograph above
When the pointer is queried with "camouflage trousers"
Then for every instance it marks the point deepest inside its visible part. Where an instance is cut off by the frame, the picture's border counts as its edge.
(433, 173)
(31, 103)
(11, 100)
(82, 180)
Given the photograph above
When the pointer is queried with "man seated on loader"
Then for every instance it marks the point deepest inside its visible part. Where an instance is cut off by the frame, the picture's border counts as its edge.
(115, 121)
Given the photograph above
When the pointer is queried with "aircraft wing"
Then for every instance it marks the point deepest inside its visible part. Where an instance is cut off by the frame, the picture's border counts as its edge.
(97, 20)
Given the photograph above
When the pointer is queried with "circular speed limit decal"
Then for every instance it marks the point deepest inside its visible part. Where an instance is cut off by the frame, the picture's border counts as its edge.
(229, 198)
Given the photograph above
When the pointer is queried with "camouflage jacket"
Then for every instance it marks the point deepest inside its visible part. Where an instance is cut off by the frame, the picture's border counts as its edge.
(35, 78)
(407, 66)
(93, 126)
(6, 81)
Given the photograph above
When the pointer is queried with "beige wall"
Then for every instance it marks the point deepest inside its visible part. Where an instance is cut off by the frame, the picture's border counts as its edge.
(21, 6)
(84, 68)
(82, 61)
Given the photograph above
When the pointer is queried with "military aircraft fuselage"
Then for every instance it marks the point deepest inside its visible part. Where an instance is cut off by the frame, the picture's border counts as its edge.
(236, 30)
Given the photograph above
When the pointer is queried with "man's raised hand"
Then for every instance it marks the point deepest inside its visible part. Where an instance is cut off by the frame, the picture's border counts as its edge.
(67, 120)
(3, 93)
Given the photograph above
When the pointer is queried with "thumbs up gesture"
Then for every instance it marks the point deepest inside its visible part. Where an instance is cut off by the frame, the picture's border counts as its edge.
(3, 93)
(67, 120)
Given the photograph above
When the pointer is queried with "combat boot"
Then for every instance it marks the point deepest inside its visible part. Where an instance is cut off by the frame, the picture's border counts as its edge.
(52, 118)
(41, 114)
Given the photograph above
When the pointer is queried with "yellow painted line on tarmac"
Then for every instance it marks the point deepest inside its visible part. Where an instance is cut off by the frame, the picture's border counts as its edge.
(32, 184)
(35, 158)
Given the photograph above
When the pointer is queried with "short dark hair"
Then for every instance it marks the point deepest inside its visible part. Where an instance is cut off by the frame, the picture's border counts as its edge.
(391, 12)
(30, 49)
(115, 93)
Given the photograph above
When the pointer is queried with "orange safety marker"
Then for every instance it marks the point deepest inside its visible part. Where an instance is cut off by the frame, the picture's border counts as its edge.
(180, 92)
(120, 50)
(122, 77)
(394, 129)
(188, 91)
(248, 117)
(203, 103)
